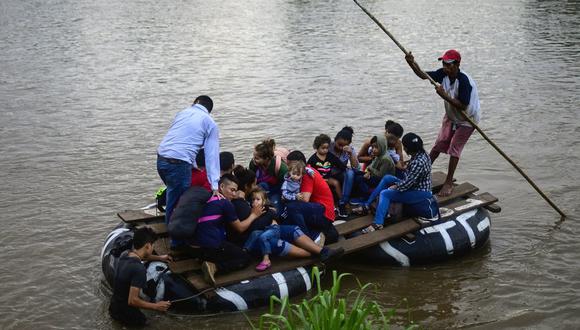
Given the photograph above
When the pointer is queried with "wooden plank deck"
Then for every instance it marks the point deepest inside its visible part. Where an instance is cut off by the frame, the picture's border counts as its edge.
(148, 215)
(350, 245)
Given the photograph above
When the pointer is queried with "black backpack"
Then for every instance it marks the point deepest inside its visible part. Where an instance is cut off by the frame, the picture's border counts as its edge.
(189, 208)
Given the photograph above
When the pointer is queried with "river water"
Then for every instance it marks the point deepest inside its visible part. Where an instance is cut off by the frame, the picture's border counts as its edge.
(88, 88)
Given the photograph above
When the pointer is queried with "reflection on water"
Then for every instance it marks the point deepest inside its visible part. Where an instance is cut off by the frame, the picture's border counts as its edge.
(88, 88)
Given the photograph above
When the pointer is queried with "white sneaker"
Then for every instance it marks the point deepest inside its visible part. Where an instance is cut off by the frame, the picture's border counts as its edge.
(320, 240)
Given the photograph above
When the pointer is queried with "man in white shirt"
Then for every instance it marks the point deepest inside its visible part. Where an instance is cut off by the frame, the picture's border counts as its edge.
(459, 92)
(192, 129)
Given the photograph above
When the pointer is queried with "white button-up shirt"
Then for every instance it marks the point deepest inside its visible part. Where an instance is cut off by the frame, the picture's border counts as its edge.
(191, 129)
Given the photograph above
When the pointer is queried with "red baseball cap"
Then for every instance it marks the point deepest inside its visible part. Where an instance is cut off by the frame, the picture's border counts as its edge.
(450, 56)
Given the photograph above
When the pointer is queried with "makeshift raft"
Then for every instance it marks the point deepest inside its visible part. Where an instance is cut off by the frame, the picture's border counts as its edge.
(464, 226)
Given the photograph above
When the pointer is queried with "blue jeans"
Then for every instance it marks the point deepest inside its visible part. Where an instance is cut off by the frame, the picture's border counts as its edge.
(311, 220)
(267, 241)
(406, 197)
(347, 185)
(177, 177)
(386, 181)
(274, 195)
(363, 185)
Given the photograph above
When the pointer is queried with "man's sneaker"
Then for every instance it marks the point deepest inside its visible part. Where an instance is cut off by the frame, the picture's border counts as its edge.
(320, 240)
(209, 269)
(327, 254)
(342, 212)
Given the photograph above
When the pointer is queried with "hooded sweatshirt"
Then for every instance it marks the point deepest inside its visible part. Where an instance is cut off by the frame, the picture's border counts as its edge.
(383, 163)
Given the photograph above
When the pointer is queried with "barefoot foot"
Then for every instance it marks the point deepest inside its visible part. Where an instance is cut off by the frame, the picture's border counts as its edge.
(446, 190)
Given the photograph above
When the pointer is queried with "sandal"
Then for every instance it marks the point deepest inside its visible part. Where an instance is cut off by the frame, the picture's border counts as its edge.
(371, 228)
(262, 266)
(361, 210)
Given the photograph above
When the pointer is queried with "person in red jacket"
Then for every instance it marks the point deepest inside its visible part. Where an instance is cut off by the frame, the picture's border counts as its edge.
(313, 212)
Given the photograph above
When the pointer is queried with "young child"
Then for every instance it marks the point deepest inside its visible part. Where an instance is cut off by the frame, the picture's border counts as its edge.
(268, 240)
(292, 182)
(279, 240)
(328, 165)
(392, 142)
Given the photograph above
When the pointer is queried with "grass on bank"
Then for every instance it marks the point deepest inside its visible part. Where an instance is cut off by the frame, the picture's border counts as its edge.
(327, 311)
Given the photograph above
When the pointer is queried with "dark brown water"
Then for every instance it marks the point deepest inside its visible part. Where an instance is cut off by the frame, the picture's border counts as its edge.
(88, 88)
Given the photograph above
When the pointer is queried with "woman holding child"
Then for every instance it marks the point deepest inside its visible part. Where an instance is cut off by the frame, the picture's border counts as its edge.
(270, 170)
(313, 211)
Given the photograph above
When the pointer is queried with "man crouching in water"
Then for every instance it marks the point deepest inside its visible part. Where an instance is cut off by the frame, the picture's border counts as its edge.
(131, 277)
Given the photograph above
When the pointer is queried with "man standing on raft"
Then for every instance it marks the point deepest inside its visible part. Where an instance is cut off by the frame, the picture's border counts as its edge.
(459, 92)
(192, 129)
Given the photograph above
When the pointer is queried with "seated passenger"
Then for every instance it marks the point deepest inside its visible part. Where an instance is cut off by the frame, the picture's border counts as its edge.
(381, 165)
(341, 148)
(414, 188)
(131, 278)
(328, 165)
(313, 212)
(198, 173)
(391, 127)
(282, 240)
(220, 255)
(400, 166)
(270, 170)
(227, 162)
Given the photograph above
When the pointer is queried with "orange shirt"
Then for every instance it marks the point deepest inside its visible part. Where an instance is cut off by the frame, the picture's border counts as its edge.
(320, 192)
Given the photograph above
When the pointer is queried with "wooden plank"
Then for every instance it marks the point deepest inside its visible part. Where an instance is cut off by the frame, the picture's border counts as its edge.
(468, 204)
(186, 265)
(493, 208)
(148, 215)
(161, 246)
(197, 281)
(458, 191)
(159, 228)
(373, 238)
(354, 225)
(437, 180)
(278, 265)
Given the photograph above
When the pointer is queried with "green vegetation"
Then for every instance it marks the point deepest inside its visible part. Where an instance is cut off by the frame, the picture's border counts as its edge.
(326, 310)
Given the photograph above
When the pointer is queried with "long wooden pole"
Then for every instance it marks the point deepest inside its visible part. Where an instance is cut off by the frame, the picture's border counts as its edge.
(481, 132)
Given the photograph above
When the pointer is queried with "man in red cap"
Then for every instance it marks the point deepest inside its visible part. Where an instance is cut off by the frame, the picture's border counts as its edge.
(459, 92)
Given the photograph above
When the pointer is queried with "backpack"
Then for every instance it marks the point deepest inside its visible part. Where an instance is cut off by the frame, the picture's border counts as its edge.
(189, 209)
(161, 198)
